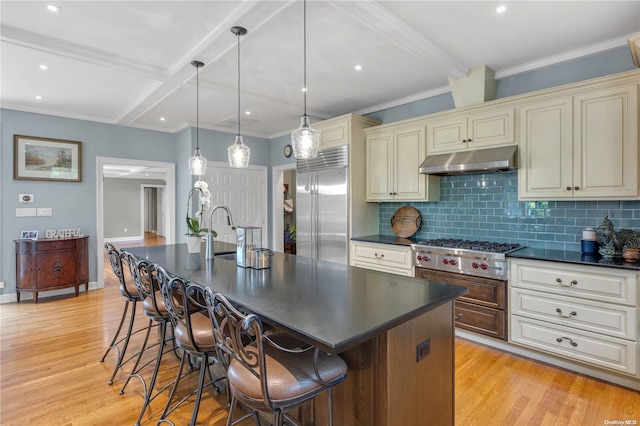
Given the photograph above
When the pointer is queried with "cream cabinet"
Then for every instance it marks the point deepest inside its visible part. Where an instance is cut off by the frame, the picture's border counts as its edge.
(393, 156)
(334, 132)
(583, 146)
(396, 259)
(583, 313)
(483, 129)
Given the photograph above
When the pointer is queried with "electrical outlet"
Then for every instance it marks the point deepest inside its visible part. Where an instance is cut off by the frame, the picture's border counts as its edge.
(1, 284)
(423, 350)
(125, 229)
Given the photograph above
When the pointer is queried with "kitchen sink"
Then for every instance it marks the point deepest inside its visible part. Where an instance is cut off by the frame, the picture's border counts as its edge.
(230, 256)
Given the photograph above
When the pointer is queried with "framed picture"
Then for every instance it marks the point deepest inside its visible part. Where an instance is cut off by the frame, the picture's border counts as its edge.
(29, 235)
(46, 159)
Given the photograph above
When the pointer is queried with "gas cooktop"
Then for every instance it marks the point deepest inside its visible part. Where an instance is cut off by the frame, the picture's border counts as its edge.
(486, 246)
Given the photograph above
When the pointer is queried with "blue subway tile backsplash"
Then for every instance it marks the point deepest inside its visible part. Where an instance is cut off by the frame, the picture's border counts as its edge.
(486, 207)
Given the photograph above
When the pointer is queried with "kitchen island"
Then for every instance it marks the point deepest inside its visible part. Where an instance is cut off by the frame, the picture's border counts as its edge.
(395, 333)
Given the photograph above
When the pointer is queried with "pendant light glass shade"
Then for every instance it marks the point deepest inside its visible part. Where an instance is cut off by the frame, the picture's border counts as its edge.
(305, 140)
(197, 163)
(239, 153)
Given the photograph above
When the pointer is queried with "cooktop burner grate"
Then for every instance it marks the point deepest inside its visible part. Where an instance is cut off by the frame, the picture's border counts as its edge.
(487, 246)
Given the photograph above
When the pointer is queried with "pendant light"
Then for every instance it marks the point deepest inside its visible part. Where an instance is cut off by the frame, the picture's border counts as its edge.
(197, 163)
(238, 152)
(305, 139)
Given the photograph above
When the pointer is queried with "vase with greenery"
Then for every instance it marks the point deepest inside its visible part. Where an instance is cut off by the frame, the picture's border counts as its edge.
(195, 231)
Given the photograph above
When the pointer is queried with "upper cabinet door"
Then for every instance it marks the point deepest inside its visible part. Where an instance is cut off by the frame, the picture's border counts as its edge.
(605, 130)
(379, 166)
(546, 150)
(447, 135)
(409, 152)
(334, 132)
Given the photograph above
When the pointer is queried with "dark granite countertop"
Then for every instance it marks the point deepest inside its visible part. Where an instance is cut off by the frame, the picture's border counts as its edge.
(571, 257)
(330, 305)
(385, 239)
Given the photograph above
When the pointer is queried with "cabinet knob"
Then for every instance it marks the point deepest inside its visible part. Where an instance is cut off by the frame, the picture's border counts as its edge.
(568, 188)
(576, 188)
(381, 256)
(469, 140)
(464, 141)
(458, 316)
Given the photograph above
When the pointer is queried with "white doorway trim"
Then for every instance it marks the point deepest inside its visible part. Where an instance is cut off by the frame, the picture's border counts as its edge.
(277, 177)
(143, 211)
(170, 180)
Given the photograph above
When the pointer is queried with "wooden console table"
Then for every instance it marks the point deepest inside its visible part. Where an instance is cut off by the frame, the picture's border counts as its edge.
(51, 264)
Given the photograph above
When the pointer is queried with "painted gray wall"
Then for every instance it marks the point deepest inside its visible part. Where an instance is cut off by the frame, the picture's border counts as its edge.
(74, 204)
(122, 206)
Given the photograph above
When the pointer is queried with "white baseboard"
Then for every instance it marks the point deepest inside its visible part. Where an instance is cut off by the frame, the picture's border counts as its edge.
(619, 379)
(12, 297)
(119, 239)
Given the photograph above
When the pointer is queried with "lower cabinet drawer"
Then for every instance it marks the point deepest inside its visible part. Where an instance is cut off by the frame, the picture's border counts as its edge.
(489, 321)
(384, 268)
(382, 254)
(606, 318)
(603, 351)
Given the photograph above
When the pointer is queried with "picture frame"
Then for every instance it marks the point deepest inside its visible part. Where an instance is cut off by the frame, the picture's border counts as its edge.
(46, 159)
(29, 235)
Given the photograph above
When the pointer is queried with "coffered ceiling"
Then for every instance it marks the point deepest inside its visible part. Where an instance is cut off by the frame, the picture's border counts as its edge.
(128, 62)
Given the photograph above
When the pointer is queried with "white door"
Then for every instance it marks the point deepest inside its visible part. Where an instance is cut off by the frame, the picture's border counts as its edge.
(244, 192)
(162, 221)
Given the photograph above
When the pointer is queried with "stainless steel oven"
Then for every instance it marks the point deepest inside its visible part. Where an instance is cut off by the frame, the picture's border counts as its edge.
(481, 266)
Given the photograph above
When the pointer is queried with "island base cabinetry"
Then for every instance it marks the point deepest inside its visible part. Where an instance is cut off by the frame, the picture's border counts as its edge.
(43, 265)
(387, 385)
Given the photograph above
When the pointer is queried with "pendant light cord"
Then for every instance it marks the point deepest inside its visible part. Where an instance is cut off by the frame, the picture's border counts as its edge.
(304, 23)
(238, 36)
(197, 109)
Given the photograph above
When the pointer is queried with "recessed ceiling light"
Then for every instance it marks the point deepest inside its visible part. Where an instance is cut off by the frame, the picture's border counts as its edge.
(38, 97)
(161, 118)
(358, 67)
(247, 112)
(501, 9)
(304, 89)
(53, 8)
(44, 67)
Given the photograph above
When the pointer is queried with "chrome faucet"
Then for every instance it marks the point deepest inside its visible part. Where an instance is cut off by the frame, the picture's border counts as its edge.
(209, 243)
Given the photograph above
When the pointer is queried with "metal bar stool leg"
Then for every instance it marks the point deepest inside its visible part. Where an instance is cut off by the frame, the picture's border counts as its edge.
(115, 338)
(121, 353)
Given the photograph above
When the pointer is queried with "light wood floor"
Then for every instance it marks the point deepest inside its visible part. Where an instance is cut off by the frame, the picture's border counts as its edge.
(51, 375)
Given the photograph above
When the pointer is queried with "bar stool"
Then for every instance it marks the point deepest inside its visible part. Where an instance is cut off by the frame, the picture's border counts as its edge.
(149, 278)
(130, 293)
(193, 334)
(275, 373)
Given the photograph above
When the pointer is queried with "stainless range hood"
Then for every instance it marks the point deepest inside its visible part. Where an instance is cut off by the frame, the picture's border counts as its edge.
(482, 160)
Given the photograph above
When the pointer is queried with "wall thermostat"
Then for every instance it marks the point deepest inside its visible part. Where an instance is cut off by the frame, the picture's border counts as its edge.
(25, 198)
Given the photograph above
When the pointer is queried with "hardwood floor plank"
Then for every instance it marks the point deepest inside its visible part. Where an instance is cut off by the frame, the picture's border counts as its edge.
(51, 374)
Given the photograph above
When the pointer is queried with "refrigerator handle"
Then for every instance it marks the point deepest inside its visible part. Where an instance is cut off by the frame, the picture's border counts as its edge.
(317, 209)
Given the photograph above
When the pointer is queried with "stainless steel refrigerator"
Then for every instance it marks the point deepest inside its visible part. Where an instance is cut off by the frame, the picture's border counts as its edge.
(321, 203)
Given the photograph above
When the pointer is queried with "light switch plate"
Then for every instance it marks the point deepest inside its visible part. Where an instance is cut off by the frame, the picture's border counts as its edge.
(45, 211)
(25, 198)
(22, 212)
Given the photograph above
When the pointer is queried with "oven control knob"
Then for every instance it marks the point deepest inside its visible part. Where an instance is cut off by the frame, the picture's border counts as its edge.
(475, 265)
(484, 266)
(445, 261)
(453, 262)
(426, 258)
